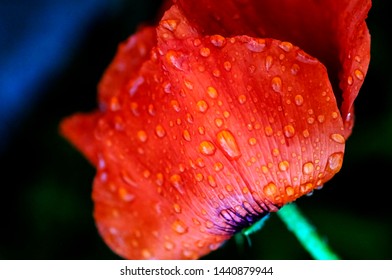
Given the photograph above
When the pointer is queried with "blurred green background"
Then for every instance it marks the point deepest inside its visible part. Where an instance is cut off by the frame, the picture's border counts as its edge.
(46, 207)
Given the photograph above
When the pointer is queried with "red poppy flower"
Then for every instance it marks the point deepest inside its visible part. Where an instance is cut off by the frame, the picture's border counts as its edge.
(224, 112)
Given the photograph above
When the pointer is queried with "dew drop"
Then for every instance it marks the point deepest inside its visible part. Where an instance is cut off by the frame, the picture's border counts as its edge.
(202, 106)
(227, 65)
(114, 104)
(177, 208)
(268, 131)
(338, 138)
(159, 179)
(294, 69)
(358, 73)
(218, 166)
(211, 181)
(207, 148)
(256, 45)
(289, 191)
(201, 130)
(306, 133)
(205, 52)
(199, 177)
(270, 189)
(321, 118)
(228, 144)
(142, 136)
(169, 245)
(218, 40)
(209, 224)
(189, 118)
(176, 182)
(160, 131)
(175, 105)
(125, 195)
(252, 141)
(218, 122)
(170, 24)
(146, 254)
(188, 84)
(134, 109)
(289, 131)
(242, 99)
(335, 162)
(276, 84)
(211, 91)
(180, 227)
(283, 165)
(186, 135)
(174, 59)
(299, 100)
(268, 62)
(350, 80)
(286, 46)
(308, 168)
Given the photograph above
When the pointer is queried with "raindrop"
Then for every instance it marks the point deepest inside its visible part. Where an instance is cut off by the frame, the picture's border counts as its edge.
(218, 166)
(289, 131)
(177, 208)
(289, 191)
(218, 122)
(218, 40)
(286, 46)
(186, 135)
(211, 181)
(308, 168)
(335, 162)
(207, 148)
(283, 165)
(268, 62)
(252, 141)
(175, 105)
(125, 195)
(270, 189)
(228, 144)
(242, 99)
(169, 245)
(180, 227)
(176, 182)
(202, 106)
(205, 52)
(227, 65)
(142, 136)
(268, 131)
(170, 24)
(276, 84)
(299, 100)
(338, 138)
(211, 91)
(256, 45)
(160, 131)
(358, 73)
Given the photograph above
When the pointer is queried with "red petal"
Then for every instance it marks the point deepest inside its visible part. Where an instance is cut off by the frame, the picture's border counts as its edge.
(333, 31)
(216, 133)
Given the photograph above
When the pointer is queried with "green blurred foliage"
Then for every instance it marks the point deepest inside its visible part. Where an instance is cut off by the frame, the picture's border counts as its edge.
(46, 184)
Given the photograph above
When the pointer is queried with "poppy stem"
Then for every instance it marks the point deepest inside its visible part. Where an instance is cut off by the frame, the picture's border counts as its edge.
(306, 233)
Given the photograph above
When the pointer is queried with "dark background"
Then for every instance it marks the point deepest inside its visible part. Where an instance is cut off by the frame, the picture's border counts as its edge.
(52, 55)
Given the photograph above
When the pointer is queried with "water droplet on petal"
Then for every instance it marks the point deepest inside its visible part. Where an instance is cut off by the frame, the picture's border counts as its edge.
(335, 162)
(218, 166)
(227, 65)
(205, 52)
(170, 24)
(338, 138)
(142, 136)
(160, 131)
(176, 182)
(308, 168)
(256, 45)
(289, 191)
(286, 46)
(268, 62)
(276, 84)
(125, 195)
(218, 40)
(186, 135)
(299, 100)
(169, 245)
(268, 131)
(177, 208)
(283, 165)
(207, 148)
(358, 73)
(175, 105)
(202, 106)
(242, 99)
(211, 91)
(211, 181)
(180, 227)
(289, 131)
(252, 141)
(228, 144)
(270, 189)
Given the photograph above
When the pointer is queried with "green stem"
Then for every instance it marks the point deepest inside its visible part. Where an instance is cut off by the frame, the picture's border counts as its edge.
(306, 233)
